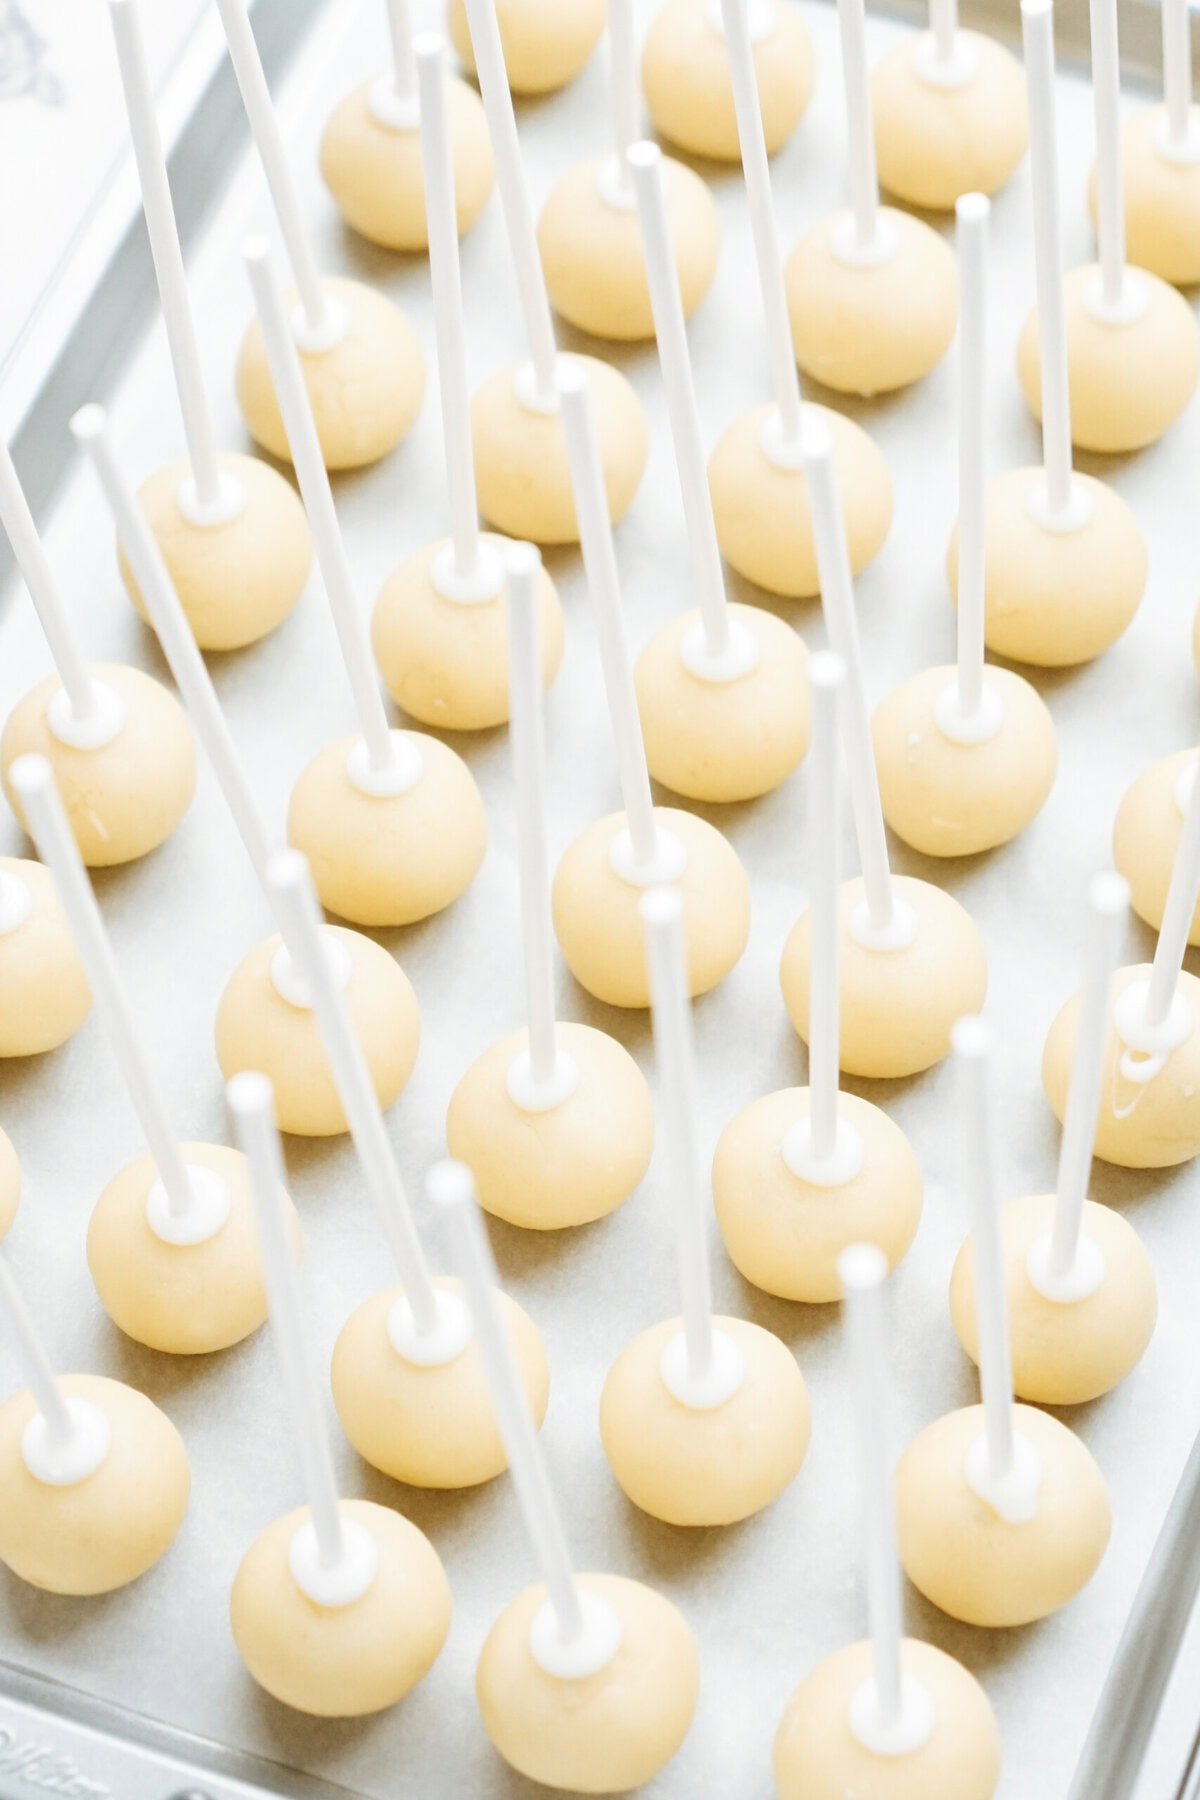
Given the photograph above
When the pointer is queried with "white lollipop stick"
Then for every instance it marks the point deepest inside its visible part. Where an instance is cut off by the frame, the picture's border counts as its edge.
(43, 1382)
(767, 254)
(514, 200)
(827, 678)
(43, 591)
(1172, 943)
(1110, 199)
(863, 180)
(317, 494)
(1037, 26)
(168, 262)
(400, 33)
(943, 23)
(67, 1438)
(972, 213)
(625, 92)
(1181, 135)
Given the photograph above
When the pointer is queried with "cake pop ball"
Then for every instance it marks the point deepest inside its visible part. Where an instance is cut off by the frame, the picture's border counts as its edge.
(546, 42)
(685, 72)
(44, 994)
(939, 137)
(1162, 200)
(1146, 835)
(10, 1184)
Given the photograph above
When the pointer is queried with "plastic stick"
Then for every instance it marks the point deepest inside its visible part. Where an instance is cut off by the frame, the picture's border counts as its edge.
(625, 87)
(1172, 942)
(1177, 73)
(43, 1382)
(1106, 99)
(527, 737)
(943, 22)
(43, 590)
(863, 180)
(1037, 28)
(972, 213)
(827, 678)
(973, 1048)
(404, 68)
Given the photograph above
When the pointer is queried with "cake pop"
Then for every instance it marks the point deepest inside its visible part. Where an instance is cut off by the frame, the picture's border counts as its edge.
(685, 71)
(912, 959)
(591, 248)
(521, 464)
(803, 1172)
(264, 1020)
(966, 756)
(117, 740)
(44, 995)
(1150, 1087)
(10, 1184)
(585, 1682)
(545, 42)
(1002, 1512)
(371, 150)
(1146, 833)
(604, 872)
(554, 1122)
(94, 1479)
(341, 1607)
(229, 527)
(950, 113)
(871, 291)
(705, 1419)
(1133, 345)
(438, 627)
(360, 359)
(890, 1716)
(756, 473)
(1064, 561)
(391, 821)
(1080, 1290)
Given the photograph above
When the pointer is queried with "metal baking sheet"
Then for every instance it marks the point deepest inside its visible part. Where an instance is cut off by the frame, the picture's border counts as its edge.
(769, 1598)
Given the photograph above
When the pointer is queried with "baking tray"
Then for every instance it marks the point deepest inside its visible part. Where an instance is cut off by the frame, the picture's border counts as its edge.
(770, 1597)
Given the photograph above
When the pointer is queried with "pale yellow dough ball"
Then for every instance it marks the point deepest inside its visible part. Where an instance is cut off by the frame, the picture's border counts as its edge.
(1162, 202)
(236, 581)
(818, 1757)
(947, 798)
(341, 1662)
(185, 1299)
(445, 661)
(685, 72)
(1064, 1352)
(1146, 836)
(600, 929)
(433, 1426)
(44, 993)
(972, 1563)
(705, 1465)
(1129, 381)
(10, 1183)
(934, 142)
(258, 1029)
(97, 1534)
(124, 798)
(373, 170)
(785, 1234)
(366, 391)
(868, 328)
(761, 509)
(897, 1007)
(389, 859)
(1052, 597)
(521, 467)
(724, 740)
(592, 252)
(598, 1734)
(545, 42)
(572, 1163)
(1152, 1124)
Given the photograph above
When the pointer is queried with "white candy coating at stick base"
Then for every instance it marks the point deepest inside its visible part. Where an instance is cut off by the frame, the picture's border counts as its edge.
(863, 181)
(1177, 915)
(400, 34)
(625, 88)
(972, 214)
(1037, 26)
(1106, 97)
(827, 678)
(1177, 73)
(42, 1381)
(43, 590)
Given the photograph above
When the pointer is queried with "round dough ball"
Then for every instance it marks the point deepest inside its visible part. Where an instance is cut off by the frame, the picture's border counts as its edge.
(685, 72)
(185, 1299)
(258, 1029)
(340, 1662)
(545, 42)
(432, 1426)
(592, 252)
(576, 1161)
(761, 510)
(389, 859)
(237, 581)
(521, 467)
(1162, 202)
(365, 392)
(1055, 597)
(897, 1007)
(818, 1757)
(44, 993)
(785, 1234)
(947, 798)
(934, 143)
(705, 1465)
(599, 925)
(1064, 1352)
(373, 170)
(867, 328)
(10, 1183)
(445, 662)
(1143, 1124)
(1129, 382)
(125, 798)
(598, 1734)
(972, 1563)
(1146, 836)
(104, 1531)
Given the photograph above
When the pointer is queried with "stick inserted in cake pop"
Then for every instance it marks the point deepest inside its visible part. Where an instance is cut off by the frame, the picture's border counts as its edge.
(685, 72)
